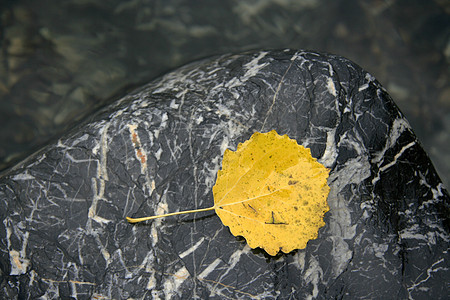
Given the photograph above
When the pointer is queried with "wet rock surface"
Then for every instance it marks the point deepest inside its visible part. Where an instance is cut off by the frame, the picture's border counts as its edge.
(61, 60)
(158, 149)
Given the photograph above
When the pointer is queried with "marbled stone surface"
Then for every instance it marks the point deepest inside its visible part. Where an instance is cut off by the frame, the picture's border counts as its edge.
(61, 60)
(63, 232)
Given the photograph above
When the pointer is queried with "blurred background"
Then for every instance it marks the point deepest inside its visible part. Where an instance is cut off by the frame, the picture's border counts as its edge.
(61, 60)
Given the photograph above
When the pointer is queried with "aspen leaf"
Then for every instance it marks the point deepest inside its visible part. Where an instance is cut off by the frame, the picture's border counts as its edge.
(271, 191)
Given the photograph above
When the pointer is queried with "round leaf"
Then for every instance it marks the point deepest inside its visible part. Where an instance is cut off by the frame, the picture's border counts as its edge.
(272, 192)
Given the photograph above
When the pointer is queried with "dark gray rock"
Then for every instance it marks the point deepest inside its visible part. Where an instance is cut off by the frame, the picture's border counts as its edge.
(63, 232)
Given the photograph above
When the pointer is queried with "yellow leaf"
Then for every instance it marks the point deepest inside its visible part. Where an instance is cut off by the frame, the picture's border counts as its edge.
(271, 191)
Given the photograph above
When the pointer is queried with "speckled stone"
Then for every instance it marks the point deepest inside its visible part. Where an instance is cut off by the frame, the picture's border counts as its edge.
(63, 231)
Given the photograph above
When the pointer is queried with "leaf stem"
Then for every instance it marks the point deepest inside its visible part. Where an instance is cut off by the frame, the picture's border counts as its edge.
(137, 220)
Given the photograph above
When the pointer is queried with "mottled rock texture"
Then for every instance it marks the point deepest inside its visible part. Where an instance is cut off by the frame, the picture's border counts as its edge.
(64, 234)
